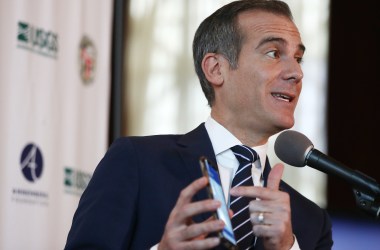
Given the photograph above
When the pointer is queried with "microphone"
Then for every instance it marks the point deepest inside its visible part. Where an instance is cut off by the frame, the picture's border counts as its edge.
(297, 150)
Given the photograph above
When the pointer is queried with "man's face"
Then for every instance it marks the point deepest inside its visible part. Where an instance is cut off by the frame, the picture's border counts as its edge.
(262, 92)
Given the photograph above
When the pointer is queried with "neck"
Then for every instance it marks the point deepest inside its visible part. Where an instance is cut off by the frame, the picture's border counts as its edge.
(247, 135)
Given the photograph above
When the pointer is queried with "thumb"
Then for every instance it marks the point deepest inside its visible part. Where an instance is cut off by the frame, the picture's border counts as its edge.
(274, 176)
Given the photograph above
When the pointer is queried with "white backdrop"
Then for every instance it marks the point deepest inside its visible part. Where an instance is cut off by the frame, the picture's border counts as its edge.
(54, 95)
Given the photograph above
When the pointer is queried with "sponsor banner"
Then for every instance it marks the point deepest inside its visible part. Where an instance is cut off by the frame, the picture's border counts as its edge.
(54, 102)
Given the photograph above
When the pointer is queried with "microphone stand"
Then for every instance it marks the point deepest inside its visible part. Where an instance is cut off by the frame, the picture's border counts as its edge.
(367, 196)
(366, 189)
(368, 201)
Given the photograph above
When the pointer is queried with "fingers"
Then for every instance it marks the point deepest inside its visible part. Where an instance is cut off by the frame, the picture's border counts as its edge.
(273, 211)
(189, 210)
(271, 206)
(191, 235)
(180, 231)
(187, 194)
(194, 230)
(254, 192)
(185, 208)
(270, 215)
(207, 243)
(271, 219)
(273, 184)
(230, 213)
(275, 228)
(275, 176)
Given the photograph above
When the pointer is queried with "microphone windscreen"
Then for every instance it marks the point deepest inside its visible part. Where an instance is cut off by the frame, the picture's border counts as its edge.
(292, 147)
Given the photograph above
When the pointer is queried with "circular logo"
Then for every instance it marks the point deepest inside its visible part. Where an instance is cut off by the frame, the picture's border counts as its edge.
(31, 162)
(87, 60)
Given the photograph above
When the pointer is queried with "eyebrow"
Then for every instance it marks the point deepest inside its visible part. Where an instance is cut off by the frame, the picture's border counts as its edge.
(278, 40)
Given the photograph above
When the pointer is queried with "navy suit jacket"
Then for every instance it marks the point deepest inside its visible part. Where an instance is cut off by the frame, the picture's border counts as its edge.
(136, 185)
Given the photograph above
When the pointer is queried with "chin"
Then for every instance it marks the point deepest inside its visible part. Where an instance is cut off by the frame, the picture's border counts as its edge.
(285, 124)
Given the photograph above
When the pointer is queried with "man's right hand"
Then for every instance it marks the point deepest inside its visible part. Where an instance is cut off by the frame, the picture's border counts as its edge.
(180, 230)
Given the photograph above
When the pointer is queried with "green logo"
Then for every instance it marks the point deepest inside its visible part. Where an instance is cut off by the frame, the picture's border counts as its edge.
(76, 181)
(22, 32)
(37, 40)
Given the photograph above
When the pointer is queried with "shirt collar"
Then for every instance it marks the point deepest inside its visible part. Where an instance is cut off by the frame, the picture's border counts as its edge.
(222, 139)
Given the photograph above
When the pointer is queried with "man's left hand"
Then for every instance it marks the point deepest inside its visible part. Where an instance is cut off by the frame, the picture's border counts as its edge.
(270, 211)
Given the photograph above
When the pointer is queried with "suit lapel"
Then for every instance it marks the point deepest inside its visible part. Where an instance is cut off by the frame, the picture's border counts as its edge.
(266, 171)
(192, 146)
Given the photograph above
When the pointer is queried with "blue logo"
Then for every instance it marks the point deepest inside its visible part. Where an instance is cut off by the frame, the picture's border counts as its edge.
(31, 162)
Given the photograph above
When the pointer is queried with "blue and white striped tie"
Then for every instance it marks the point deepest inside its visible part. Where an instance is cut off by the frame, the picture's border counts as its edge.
(241, 223)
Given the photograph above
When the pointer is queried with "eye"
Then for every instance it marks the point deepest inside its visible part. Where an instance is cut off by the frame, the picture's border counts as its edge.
(273, 54)
(299, 59)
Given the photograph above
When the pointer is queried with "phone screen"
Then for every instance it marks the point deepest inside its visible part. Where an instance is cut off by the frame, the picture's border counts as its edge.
(216, 192)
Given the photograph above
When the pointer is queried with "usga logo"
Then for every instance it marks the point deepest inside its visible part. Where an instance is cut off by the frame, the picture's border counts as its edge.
(87, 60)
(37, 40)
(76, 181)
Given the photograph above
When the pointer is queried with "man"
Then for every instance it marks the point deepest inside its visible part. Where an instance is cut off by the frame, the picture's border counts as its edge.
(148, 191)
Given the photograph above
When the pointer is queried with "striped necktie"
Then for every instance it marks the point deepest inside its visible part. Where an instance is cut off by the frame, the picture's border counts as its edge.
(241, 223)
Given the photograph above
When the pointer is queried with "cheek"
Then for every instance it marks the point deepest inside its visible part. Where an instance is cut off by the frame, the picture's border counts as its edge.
(251, 86)
(299, 89)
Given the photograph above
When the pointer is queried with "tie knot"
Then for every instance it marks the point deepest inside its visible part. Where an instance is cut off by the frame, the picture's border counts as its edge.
(244, 153)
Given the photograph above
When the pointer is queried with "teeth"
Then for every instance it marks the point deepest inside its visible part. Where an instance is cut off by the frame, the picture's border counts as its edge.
(282, 97)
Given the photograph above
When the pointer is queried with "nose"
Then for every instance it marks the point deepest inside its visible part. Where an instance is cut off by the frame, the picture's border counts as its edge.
(293, 72)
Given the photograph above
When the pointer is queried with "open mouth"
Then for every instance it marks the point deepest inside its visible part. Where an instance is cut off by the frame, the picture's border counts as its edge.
(282, 97)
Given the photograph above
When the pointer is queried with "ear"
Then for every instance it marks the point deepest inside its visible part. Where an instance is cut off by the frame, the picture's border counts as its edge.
(211, 67)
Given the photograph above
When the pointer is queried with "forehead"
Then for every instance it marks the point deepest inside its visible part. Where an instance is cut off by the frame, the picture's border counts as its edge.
(257, 23)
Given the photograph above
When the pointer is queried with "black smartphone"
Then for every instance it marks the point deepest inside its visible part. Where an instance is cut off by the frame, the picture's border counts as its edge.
(215, 191)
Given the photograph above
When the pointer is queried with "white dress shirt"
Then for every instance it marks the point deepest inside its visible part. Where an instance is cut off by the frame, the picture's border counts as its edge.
(222, 140)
